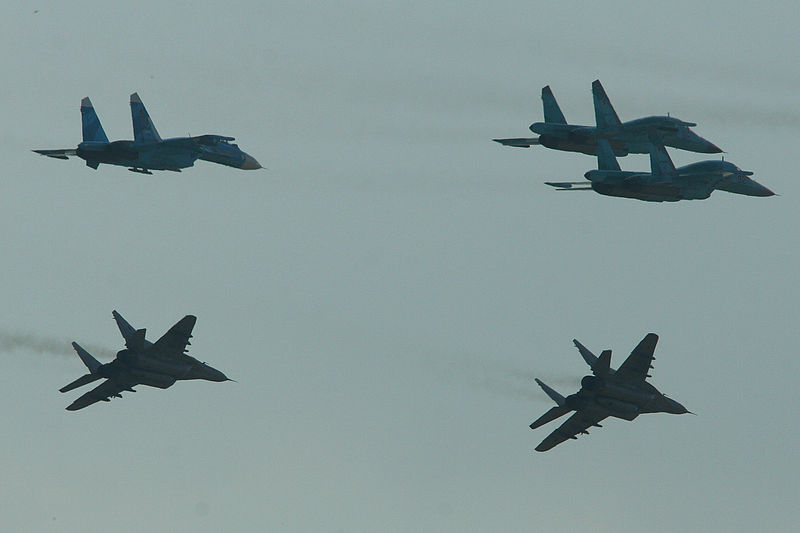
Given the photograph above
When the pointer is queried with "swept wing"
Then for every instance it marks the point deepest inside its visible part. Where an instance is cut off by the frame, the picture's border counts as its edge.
(103, 392)
(172, 345)
(574, 425)
(639, 362)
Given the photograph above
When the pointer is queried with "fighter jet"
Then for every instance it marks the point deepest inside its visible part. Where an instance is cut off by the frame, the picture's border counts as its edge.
(623, 393)
(664, 182)
(158, 364)
(148, 151)
(630, 137)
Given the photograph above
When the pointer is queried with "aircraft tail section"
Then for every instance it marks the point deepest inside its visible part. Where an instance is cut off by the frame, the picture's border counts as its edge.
(556, 397)
(91, 363)
(126, 329)
(660, 162)
(587, 355)
(143, 128)
(552, 113)
(604, 113)
(92, 129)
(602, 367)
(606, 160)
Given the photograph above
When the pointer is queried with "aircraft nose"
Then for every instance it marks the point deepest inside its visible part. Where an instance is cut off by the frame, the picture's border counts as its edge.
(712, 148)
(250, 163)
(675, 408)
(759, 190)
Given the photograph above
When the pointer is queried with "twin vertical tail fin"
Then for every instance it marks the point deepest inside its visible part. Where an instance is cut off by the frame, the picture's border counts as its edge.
(552, 113)
(143, 128)
(606, 160)
(92, 129)
(91, 363)
(560, 410)
(660, 162)
(604, 113)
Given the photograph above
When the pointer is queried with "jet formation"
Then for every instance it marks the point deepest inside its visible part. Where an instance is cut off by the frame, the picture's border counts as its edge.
(148, 151)
(611, 138)
(159, 364)
(625, 138)
(664, 182)
(622, 393)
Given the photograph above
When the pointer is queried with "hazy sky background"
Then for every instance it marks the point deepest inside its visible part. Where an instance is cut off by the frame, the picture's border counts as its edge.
(387, 291)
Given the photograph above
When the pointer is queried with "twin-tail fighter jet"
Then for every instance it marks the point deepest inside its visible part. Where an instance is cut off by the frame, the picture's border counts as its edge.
(625, 138)
(664, 182)
(623, 393)
(158, 364)
(148, 151)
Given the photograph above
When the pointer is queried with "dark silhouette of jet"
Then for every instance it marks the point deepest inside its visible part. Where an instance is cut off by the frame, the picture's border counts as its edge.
(158, 364)
(622, 393)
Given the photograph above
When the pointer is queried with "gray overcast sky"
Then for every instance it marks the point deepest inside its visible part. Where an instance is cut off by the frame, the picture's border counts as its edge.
(387, 291)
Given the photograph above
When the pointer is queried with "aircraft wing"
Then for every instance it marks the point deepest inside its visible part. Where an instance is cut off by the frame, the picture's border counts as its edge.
(58, 154)
(173, 343)
(640, 361)
(103, 392)
(574, 425)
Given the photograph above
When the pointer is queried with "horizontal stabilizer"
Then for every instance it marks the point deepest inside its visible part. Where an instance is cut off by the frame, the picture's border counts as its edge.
(80, 382)
(570, 185)
(520, 142)
(556, 397)
(57, 154)
(91, 363)
(549, 416)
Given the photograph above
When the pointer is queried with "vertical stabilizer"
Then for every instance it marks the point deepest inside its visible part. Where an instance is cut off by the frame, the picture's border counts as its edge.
(604, 113)
(91, 363)
(587, 355)
(602, 367)
(552, 113)
(92, 129)
(660, 163)
(606, 160)
(143, 128)
(556, 397)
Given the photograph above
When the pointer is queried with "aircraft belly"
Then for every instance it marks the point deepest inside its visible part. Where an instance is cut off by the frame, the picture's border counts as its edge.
(152, 379)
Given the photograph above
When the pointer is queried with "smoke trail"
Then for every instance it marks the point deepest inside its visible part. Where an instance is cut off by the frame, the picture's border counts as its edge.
(11, 342)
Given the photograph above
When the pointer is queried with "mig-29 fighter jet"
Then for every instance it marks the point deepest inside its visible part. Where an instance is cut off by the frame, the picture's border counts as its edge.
(664, 182)
(630, 137)
(148, 151)
(623, 393)
(158, 364)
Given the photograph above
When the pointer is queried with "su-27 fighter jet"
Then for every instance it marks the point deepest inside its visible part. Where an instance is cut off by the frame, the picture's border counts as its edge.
(630, 137)
(148, 151)
(158, 364)
(664, 182)
(623, 393)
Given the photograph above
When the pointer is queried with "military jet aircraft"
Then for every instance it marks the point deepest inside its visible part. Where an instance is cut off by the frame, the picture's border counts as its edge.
(623, 393)
(148, 151)
(158, 364)
(664, 182)
(630, 137)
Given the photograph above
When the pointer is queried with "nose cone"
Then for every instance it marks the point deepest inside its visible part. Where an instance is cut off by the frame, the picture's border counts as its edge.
(756, 189)
(711, 148)
(212, 374)
(250, 163)
(674, 407)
